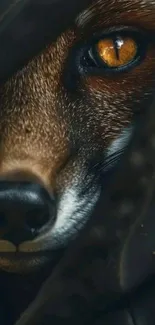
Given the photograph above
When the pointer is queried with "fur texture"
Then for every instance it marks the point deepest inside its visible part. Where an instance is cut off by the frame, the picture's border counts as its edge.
(58, 124)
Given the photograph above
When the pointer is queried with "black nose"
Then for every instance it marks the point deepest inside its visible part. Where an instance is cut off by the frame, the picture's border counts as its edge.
(25, 209)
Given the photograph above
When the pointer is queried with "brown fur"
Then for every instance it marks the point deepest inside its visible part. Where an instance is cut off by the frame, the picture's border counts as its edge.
(36, 110)
(50, 127)
(53, 120)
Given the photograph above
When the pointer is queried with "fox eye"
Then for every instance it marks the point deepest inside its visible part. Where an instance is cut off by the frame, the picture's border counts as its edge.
(115, 52)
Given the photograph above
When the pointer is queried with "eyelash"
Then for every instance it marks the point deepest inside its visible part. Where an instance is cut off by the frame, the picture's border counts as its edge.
(86, 65)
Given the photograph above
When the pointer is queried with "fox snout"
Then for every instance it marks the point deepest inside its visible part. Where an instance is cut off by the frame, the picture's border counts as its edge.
(26, 207)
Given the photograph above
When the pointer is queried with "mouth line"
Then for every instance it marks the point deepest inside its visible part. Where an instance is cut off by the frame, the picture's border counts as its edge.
(9, 249)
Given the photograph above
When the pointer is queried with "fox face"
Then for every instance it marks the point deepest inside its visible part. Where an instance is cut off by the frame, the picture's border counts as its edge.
(65, 119)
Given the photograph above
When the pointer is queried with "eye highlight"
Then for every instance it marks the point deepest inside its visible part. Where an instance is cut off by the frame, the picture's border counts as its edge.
(116, 52)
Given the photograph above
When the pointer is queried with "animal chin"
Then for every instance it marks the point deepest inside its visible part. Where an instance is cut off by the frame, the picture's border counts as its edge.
(23, 263)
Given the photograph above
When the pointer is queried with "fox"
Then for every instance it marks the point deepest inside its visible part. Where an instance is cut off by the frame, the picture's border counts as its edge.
(66, 118)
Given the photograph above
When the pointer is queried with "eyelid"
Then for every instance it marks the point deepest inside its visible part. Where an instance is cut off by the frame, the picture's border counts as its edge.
(126, 30)
(111, 30)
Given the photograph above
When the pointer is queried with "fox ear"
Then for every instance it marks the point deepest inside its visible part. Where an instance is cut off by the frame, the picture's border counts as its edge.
(29, 26)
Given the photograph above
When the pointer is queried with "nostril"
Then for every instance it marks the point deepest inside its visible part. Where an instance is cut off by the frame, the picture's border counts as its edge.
(3, 220)
(37, 218)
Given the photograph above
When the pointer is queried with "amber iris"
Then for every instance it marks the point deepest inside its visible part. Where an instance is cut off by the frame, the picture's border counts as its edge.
(117, 52)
